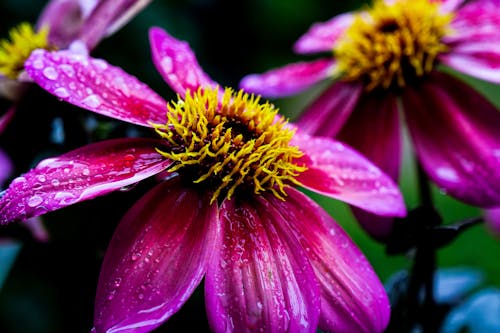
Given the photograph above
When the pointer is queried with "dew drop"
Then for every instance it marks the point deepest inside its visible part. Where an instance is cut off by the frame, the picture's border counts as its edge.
(50, 73)
(166, 64)
(67, 69)
(86, 172)
(55, 182)
(92, 101)
(61, 92)
(38, 64)
(35, 201)
(117, 282)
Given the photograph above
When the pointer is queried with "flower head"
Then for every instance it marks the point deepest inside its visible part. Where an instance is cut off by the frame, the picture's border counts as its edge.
(226, 208)
(389, 57)
(61, 23)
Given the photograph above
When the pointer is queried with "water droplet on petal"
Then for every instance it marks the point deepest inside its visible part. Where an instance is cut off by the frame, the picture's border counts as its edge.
(61, 92)
(38, 64)
(35, 201)
(67, 69)
(92, 101)
(166, 64)
(50, 73)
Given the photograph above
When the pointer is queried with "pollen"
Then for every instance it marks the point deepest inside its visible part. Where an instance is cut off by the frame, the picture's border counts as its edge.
(14, 52)
(390, 45)
(230, 141)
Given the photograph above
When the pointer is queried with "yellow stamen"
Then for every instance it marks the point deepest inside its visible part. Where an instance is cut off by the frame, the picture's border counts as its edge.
(23, 40)
(390, 44)
(235, 142)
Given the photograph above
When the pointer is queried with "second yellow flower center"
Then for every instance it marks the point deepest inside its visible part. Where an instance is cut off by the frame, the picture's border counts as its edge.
(23, 40)
(391, 44)
(229, 143)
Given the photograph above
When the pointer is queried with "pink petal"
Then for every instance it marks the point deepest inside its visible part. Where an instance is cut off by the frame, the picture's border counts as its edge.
(64, 19)
(476, 21)
(374, 130)
(79, 175)
(478, 59)
(107, 17)
(455, 133)
(157, 257)
(177, 63)
(261, 280)
(339, 172)
(95, 85)
(352, 297)
(288, 80)
(328, 113)
(448, 6)
(321, 37)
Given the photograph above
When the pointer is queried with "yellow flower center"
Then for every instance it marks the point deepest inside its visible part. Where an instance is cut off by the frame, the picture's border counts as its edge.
(23, 40)
(391, 44)
(230, 142)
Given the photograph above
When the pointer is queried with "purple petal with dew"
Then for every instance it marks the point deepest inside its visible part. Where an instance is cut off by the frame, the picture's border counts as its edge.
(373, 129)
(177, 63)
(337, 171)
(455, 134)
(64, 18)
(322, 36)
(352, 297)
(327, 114)
(81, 174)
(95, 85)
(107, 17)
(478, 59)
(261, 280)
(157, 257)
(288, 80)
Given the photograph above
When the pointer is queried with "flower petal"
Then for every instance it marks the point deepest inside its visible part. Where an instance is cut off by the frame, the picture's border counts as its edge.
(373, 129)
(79, 175)
(64, 19)
(288, 80)
(339, 172)
(455, 133)
(478, 59)
(177, 63)
(321, 37)
(352, 297)
(157, 257)
(328, 113)
(107, 17)
(95, 85)
(448, 6)
(261, 280)
(476, 21)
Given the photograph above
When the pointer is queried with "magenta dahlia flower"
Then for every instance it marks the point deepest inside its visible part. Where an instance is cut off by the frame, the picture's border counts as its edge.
(226, 208)
(389, 58)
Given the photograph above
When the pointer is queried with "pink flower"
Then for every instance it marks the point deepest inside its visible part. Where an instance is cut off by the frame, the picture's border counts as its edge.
(225, 210)
(389, 58)
(62, 23)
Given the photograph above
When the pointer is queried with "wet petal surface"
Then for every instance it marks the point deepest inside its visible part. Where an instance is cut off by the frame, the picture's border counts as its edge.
(339, 172)
(79, 175)
(352, 297)
(177, 63)
(261, 280)
(95, 85)
(455, 133)
(157, 257)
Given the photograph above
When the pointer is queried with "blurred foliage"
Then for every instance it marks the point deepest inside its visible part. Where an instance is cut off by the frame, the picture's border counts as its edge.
(51, 287)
